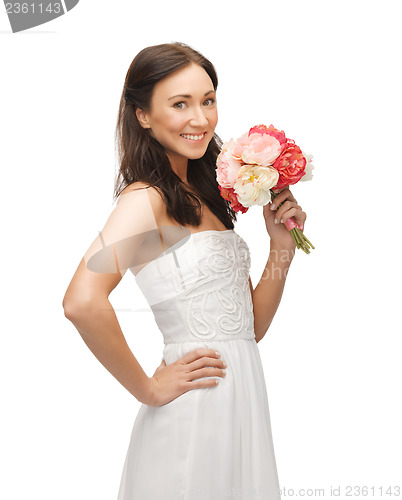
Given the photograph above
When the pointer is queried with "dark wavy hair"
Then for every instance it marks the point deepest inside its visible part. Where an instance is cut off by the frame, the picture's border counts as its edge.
(142, 158)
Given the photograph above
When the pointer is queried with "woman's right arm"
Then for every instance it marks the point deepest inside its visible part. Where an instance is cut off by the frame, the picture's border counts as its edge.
(96, 321)
(86, 302)
(86, 305)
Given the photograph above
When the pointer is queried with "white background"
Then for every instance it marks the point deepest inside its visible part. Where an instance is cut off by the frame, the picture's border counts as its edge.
(328, 74)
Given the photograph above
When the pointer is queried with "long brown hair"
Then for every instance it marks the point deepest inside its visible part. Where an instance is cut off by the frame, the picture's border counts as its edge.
(141, 156)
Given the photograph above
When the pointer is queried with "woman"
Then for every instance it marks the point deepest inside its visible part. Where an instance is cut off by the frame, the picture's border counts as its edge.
(193, 437)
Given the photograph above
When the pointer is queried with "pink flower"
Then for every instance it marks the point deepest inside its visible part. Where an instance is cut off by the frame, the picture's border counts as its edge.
(227, 166)
(257, 148)
(271, 130)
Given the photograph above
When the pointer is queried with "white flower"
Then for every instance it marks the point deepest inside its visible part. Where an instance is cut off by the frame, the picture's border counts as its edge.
(253, 184)
(308, 176)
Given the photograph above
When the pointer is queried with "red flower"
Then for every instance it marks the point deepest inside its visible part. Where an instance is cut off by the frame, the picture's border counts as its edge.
(230, 195)
(271, 130)
(290, 165)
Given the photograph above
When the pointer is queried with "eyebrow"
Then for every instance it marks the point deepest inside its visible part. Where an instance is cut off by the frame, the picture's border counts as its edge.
(188, 96)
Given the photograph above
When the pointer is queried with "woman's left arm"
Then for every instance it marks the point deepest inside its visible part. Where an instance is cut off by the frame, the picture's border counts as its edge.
(268, 293)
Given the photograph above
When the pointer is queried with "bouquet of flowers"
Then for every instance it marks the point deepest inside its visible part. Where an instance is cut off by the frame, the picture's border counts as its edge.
(262, 160)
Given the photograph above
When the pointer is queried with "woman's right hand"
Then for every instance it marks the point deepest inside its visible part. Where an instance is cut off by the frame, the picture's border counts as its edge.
(171, 381)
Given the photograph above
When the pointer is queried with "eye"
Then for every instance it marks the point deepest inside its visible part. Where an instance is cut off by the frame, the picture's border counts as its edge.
(181, 104)
(212, 100)
(175, 104)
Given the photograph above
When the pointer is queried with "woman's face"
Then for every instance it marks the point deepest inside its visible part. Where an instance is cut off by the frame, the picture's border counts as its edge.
(183, 113)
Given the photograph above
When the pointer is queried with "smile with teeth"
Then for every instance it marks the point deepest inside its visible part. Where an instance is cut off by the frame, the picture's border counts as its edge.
(193, 137)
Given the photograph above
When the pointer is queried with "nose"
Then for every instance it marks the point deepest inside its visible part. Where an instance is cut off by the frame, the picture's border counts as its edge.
(198, 118)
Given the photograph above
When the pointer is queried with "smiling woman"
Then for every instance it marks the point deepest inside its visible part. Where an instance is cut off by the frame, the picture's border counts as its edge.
(170, 120)
(193, 437)
(166, 132)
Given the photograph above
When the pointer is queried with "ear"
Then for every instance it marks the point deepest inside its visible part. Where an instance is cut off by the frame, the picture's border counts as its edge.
(142, 118)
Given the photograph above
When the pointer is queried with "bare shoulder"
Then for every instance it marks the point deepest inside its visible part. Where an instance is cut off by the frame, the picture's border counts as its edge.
(154, 195)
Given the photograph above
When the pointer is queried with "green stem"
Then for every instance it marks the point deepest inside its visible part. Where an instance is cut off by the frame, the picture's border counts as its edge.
(299, 238)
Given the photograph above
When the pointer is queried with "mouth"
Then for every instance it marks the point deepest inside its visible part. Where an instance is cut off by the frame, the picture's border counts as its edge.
(197, 138)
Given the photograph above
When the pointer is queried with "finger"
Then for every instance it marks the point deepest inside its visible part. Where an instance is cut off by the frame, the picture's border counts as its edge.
(202, 383)
(298, 215)
(281, 197)
(204, 362)
(198, 353)
(280, 190)
(207, 372)
(287, 205)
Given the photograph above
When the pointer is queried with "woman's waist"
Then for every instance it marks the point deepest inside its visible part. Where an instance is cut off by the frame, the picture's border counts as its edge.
(232, 350)
(174, 338)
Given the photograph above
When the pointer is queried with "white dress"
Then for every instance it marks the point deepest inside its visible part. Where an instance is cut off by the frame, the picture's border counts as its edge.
(212, 443)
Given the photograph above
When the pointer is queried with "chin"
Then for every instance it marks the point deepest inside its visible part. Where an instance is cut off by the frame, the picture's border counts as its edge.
(196, 156)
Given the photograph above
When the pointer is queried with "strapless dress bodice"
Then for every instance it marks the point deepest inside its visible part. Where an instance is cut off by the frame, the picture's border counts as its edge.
(199, 289)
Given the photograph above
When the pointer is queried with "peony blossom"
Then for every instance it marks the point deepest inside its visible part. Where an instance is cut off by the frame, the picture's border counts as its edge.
(228, 166)
(257, 149)
(271, 130)
(309, 168)
(252, 169)
(230, 195)
(253, 184)
(290, 166)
